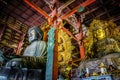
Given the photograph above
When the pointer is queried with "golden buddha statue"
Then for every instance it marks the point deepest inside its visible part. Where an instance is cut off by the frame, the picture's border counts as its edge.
(100, 39)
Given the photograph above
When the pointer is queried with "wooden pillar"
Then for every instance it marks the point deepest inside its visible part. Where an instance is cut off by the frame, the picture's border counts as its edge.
(2, 28)
(55, 58)
(20, 44)
(52, 53)
(82, 50)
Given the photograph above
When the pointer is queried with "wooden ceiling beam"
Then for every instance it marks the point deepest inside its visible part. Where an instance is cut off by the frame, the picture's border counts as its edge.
(104, 7)
(36, 8)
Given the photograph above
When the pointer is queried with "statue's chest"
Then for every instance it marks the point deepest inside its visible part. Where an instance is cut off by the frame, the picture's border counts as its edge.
(32, 49)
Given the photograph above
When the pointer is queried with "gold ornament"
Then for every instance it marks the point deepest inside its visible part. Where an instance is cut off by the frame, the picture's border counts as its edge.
(65, 47)
(95, 73)
(103, 69)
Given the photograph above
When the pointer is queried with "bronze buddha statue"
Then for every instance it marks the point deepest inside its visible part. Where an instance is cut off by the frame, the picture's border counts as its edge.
(34, 55)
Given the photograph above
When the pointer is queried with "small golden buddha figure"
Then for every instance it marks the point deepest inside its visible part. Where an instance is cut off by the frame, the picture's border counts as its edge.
(95, 74)
(103, 69)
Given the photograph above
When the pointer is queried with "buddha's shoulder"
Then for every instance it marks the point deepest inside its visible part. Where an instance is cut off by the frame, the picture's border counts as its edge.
(36, 42)
(42, 42)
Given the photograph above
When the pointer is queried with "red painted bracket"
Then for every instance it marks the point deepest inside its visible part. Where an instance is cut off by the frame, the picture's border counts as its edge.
(86, 3)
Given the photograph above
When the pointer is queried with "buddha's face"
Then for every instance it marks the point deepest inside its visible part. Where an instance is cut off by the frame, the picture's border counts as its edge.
(32, 35)
(99, 33)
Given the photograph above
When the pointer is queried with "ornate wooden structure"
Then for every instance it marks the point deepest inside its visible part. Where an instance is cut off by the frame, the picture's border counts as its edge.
(55, 21)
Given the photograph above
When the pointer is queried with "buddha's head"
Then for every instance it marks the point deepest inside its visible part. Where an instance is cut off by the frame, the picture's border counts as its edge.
(99, 28)
(99, 33)
(35, 33)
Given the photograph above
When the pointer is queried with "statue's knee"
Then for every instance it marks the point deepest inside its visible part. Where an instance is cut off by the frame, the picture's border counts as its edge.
(14, 63)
